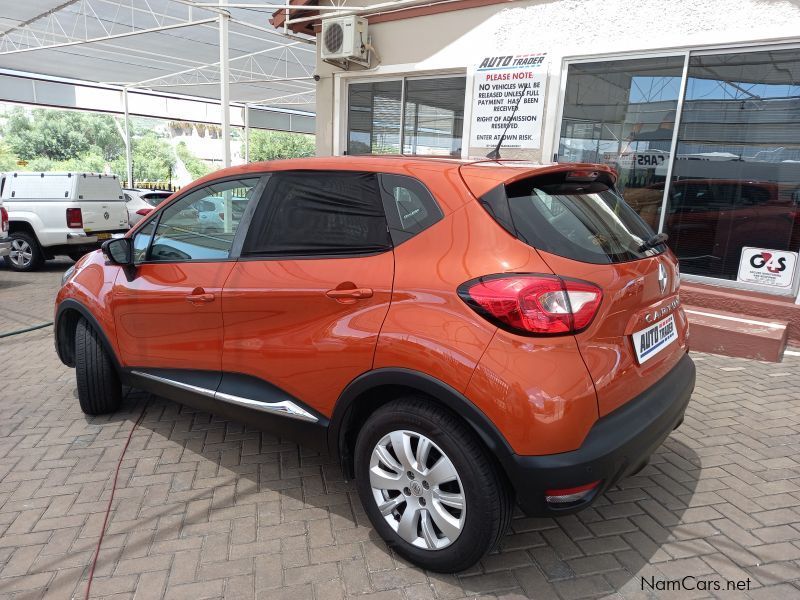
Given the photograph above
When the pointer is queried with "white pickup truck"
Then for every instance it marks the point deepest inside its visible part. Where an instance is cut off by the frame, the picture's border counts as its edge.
(60, 213)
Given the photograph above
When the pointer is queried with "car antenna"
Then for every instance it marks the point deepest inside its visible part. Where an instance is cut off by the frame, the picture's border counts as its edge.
(495, 154)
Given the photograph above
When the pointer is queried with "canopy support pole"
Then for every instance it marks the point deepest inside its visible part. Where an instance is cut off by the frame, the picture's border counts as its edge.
(128, 149)
(224, 94)
(246, 133)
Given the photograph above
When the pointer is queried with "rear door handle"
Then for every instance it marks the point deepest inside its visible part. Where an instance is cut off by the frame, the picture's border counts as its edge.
(351, 294)
(203, 298)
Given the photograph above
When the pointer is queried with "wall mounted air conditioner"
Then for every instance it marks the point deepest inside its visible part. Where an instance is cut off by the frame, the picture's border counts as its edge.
(345, 38)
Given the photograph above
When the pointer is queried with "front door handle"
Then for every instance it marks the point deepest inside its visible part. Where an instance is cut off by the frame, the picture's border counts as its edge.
(200, 298)
(349, 294)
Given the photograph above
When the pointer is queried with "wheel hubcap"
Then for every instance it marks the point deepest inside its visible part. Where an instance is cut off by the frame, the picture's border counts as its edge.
(417, 490)
(21, 253)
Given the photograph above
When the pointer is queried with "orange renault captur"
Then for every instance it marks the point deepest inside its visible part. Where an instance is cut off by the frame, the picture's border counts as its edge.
(461, 335)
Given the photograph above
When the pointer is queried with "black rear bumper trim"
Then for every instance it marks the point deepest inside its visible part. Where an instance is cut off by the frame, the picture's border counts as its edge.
(617, 445)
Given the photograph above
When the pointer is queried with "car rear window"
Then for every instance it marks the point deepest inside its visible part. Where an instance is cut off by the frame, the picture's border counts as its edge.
(581, 220)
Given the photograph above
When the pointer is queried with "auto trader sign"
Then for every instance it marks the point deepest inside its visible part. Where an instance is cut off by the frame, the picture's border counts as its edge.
(499, 83)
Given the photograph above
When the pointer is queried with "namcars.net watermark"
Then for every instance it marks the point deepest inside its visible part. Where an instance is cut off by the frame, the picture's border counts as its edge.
(690, 583)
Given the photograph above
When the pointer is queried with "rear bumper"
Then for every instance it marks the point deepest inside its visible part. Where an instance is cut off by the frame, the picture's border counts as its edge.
(618, 445)
(5, 248)
(95, 238)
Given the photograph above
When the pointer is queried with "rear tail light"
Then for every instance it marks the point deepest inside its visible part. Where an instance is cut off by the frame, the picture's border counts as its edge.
(533, 304)
(570, 495)
(74, 218)
(144, 211)
(3, 219)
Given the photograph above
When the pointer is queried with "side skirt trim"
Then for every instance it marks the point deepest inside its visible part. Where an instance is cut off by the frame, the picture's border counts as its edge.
(284, 408)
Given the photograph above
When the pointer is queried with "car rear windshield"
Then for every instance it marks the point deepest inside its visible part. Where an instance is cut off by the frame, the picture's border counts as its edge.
(581, 220)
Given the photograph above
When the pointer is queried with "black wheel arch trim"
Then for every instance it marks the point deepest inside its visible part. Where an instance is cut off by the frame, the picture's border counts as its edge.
(341, 419)
(71, 304)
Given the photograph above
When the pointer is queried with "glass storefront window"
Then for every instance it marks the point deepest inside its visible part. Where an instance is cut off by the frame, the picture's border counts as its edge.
(736, 177)
(622, 113)
(434, 116)
(431, 111)
(373, 117)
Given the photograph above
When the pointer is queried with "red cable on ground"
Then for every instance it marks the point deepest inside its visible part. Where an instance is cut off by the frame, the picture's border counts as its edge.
(110, 500)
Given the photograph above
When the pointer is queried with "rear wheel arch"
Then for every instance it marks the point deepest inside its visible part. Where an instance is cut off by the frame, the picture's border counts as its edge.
(372, 390)
(24, 226)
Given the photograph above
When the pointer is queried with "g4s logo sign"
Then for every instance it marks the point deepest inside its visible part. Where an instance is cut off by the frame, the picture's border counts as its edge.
(774, 268)
(772, 263)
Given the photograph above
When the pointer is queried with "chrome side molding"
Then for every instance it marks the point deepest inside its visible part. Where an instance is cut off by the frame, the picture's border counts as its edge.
(284, 408)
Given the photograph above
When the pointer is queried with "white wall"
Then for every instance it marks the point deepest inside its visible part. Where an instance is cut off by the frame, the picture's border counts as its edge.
(562, 28)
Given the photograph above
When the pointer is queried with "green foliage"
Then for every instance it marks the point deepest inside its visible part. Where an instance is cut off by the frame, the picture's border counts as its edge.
(153, 159)
(61, 135)
(196, 167)
(273, 145)
(8, 161)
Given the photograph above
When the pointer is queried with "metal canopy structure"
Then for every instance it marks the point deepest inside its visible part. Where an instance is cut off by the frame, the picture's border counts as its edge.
(179, 47)
(164, 45)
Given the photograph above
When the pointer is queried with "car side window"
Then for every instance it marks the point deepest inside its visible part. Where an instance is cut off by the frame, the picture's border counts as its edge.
(410, 207)
(202, 224)
(318, 213)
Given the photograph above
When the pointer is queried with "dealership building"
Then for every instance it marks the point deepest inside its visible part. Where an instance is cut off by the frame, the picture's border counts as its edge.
(695, 103)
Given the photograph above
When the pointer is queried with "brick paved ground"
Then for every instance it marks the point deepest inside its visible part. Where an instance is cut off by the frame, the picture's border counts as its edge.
(207, 508)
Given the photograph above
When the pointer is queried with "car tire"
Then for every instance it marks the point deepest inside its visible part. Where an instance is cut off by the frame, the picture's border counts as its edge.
(437, 535)
(99, 388)
(25, 255)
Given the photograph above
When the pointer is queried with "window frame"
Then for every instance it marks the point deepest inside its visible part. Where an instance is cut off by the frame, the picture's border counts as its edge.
(238, 238)
(342, 137)
(251, 209)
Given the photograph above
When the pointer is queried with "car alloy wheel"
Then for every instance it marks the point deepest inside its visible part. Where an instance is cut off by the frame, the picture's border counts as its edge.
(21, 253)
(417, 490)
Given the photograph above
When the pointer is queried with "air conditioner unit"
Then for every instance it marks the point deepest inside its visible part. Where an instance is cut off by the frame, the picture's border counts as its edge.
(345, 38)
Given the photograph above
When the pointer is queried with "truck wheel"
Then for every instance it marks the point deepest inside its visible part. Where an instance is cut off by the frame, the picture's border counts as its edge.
(25, 254)
(428, 486)
(99, 388)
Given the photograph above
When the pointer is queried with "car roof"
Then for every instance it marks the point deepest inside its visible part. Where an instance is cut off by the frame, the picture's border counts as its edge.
(479, 174)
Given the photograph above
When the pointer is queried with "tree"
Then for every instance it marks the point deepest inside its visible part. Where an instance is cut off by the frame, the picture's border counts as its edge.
(152, 157)
(8, 162)
(61, 135)
(273, 145)
(196, 167)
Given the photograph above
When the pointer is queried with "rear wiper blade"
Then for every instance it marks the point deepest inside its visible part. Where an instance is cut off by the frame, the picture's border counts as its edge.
(659, 238)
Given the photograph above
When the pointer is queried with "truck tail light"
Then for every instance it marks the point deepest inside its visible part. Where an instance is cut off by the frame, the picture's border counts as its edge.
(144, 211)
(533, 304)
(3, 219)
(74, 218)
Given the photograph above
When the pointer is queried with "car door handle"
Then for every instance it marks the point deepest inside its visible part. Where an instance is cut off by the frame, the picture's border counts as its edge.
(202, 298)
(350, 294)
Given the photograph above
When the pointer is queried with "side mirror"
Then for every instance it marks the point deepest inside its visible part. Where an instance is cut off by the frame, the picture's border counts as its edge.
(119, 251)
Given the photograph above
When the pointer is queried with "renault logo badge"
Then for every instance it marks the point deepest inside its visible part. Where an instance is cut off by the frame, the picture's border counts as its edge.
(106, 215)
(662, 278)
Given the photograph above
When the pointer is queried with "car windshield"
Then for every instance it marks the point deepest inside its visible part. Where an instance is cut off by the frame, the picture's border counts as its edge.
(155, 199)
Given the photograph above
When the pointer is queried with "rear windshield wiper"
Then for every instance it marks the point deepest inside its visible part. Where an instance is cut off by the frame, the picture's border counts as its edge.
(657, 239)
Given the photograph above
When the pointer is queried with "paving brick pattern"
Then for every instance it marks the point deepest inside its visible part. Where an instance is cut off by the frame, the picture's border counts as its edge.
(208, 508)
